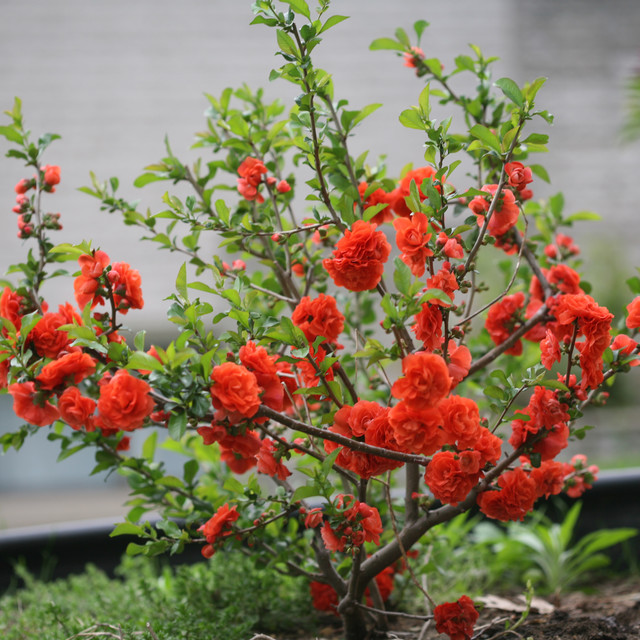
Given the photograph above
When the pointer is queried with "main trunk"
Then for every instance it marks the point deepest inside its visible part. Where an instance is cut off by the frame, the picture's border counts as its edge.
(355, 626)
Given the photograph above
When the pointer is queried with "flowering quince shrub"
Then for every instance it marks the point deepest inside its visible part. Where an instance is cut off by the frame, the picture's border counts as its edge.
(352, 339)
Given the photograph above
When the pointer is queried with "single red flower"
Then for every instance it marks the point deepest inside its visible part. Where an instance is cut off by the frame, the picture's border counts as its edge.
(456, 619)
(412, 240)
(31, 405)
(219, 525)
(318, 317)
(513, 499)
(633, 314)
(446, 478)
(235, 392)
(359, 257)
(425, 382)
(75, 409)
(124, 402)
(505, 214)
(68, 369)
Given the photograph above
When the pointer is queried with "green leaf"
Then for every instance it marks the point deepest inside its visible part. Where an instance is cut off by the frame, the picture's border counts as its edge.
(177, 425)
(540, 171)
(147, 178)
(306, 491)
(149, 446)
(364, 112)
(138, 341)
(402, 36)
(402, 277)
(286, 43)
(329, 461)
(465, 62)
(134, 549)
(233, 485)
(488, 138)
(300, 7)
(511, 90)
(556, 204)
(141, 361)
(191, 468)
(11, 134)
(411, 118)
(332, 21)
(181, 281)
(552, 384)
(634, 284)
(534, 87)
(419, 27)
(386, 43)
(583, 215)
(536, 138)
(127, 529)
(423, 101)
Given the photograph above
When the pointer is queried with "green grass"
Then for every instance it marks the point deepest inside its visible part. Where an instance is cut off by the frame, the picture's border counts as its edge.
(226, 598)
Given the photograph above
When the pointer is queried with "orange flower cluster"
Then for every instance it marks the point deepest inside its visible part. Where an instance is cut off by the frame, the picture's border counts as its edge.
(97, 280)
(357, 523)
(369, 421)
(578, 316)
(504, 216)
(251, 171)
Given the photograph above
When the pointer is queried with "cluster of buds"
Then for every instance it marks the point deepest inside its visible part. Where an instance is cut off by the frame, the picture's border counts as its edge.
(579, 476)
(563, 248)
(251, 171)
(49, 177)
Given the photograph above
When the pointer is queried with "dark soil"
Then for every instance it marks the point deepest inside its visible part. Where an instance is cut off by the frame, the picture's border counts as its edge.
(611, 613)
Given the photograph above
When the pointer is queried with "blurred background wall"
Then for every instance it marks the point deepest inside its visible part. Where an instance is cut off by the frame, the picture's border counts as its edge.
(113, 78)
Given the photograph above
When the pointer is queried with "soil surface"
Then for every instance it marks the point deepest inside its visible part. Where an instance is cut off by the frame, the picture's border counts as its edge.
(612, 613)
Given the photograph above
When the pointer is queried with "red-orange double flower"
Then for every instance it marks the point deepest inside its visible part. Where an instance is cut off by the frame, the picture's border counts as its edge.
(359, 257)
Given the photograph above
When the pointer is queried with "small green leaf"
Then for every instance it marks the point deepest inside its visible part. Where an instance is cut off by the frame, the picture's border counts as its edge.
(149, 446)
(11, 134)
(540, 171)
(386, 43)
(141, 361)
(402, 36)
(127, 529)
(329, 461)
(147, 178)
(634, 284)
(181, 281)
(419, 27)
(286, 43)
(511, 90)
(177, 424)
(402, 277)
(332, 22)
(305, 491)
(364, 112)
(489, 139)
(423, 101)
(583, 215)
(300, 7)
(223, 211)
(411, 118)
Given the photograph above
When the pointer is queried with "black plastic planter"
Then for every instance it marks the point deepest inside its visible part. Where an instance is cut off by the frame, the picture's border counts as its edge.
(60, 550)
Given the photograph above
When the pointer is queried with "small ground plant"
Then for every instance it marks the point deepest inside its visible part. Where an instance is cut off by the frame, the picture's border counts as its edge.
(353, 340)
(229, 600)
